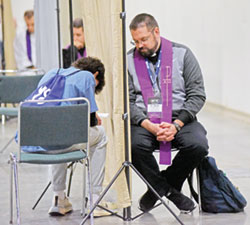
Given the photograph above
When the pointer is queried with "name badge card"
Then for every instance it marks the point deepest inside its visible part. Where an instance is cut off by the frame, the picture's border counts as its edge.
(154, 107)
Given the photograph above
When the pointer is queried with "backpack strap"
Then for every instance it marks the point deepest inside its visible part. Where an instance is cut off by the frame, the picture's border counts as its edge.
(58, 71)
(73, 73)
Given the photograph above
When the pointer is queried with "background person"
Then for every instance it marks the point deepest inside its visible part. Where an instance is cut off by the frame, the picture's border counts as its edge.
(25, 44)
(184, 131)
(79, 44)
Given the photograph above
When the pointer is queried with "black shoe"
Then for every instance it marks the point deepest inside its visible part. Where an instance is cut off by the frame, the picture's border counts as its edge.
(147, 201)
(182, 202)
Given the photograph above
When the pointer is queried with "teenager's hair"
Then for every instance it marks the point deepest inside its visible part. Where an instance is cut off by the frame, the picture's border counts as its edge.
(92, 65)
(78, 23)
(29, 14)
(142, 20)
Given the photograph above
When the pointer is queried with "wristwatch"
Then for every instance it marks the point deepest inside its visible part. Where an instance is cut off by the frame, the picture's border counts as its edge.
(177, 126)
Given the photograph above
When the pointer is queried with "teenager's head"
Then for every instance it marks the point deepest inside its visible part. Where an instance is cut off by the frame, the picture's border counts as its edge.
(94, 66)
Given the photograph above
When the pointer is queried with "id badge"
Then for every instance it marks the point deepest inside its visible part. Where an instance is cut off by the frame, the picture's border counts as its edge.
(154, 107)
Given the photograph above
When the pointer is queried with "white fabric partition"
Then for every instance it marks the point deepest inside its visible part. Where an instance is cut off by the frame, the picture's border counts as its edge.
(103, 36)
(46, 34)
(9, 34)
(103, 33)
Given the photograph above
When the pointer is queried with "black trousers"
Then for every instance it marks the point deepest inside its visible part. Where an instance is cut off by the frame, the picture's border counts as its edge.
(193, 147)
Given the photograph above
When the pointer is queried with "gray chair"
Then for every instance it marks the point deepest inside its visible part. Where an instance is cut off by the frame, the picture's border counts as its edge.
(13, 90)
(62, 125)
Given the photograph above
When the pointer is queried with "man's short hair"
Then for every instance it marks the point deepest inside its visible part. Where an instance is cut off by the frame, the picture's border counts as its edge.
(92, 65)
(78, 23)
(28, 14)
(142, 20)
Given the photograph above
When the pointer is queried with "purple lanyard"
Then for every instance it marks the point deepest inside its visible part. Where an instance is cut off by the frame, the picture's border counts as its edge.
(28, 45)
(166, 90)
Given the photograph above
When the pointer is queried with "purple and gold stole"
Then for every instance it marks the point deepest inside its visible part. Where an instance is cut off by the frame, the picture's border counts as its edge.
(166, 90)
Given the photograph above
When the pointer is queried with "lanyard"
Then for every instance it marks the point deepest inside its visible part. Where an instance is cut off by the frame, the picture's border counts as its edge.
(158, 65)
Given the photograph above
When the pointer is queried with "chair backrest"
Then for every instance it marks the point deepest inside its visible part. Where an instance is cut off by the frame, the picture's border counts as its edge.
(14, 89)
(54, 126)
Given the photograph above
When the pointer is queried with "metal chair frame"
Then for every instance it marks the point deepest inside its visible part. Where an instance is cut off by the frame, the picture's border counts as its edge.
(79, 125)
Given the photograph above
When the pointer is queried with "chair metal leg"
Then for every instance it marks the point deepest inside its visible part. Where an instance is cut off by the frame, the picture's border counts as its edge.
(198, 188)
(70, 177)
(5, 147)
(16, 189)
(43, 193)
(11, 190)
(48, 185)
(84, 201)
(3, 119)
(193, 194)
(90, 192)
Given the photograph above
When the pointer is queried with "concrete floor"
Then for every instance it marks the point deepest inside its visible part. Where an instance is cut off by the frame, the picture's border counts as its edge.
(229, 144)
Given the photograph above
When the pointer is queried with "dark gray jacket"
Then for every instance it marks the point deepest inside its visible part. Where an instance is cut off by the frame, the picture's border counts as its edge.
(187, 84)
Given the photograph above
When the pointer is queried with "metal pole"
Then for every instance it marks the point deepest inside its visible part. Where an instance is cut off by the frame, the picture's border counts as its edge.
(126, 211)
(71, 32)
(58, 33)
(3, 55)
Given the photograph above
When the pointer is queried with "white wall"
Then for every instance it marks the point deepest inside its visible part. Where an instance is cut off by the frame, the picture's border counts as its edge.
(218, 33)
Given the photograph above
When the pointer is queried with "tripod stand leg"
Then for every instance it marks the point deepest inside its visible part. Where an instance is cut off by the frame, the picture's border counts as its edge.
(154, 191)
(129, 164)
(103, 194)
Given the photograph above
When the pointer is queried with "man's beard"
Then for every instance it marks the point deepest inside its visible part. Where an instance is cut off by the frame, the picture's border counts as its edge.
(148, 52)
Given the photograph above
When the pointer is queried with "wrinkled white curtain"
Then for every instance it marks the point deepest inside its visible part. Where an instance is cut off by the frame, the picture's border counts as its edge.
(46, 34)
(103, 34)
(8, 34)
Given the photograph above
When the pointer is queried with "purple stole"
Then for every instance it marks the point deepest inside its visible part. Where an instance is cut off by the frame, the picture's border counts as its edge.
(166, 90)
(28, 45)
(84, 54)
(78, 53)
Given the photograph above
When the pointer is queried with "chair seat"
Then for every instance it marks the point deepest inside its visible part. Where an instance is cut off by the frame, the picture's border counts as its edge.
(8, 111)
(36, 158)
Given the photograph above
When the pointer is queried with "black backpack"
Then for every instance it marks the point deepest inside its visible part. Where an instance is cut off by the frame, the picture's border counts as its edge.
(218, 194)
